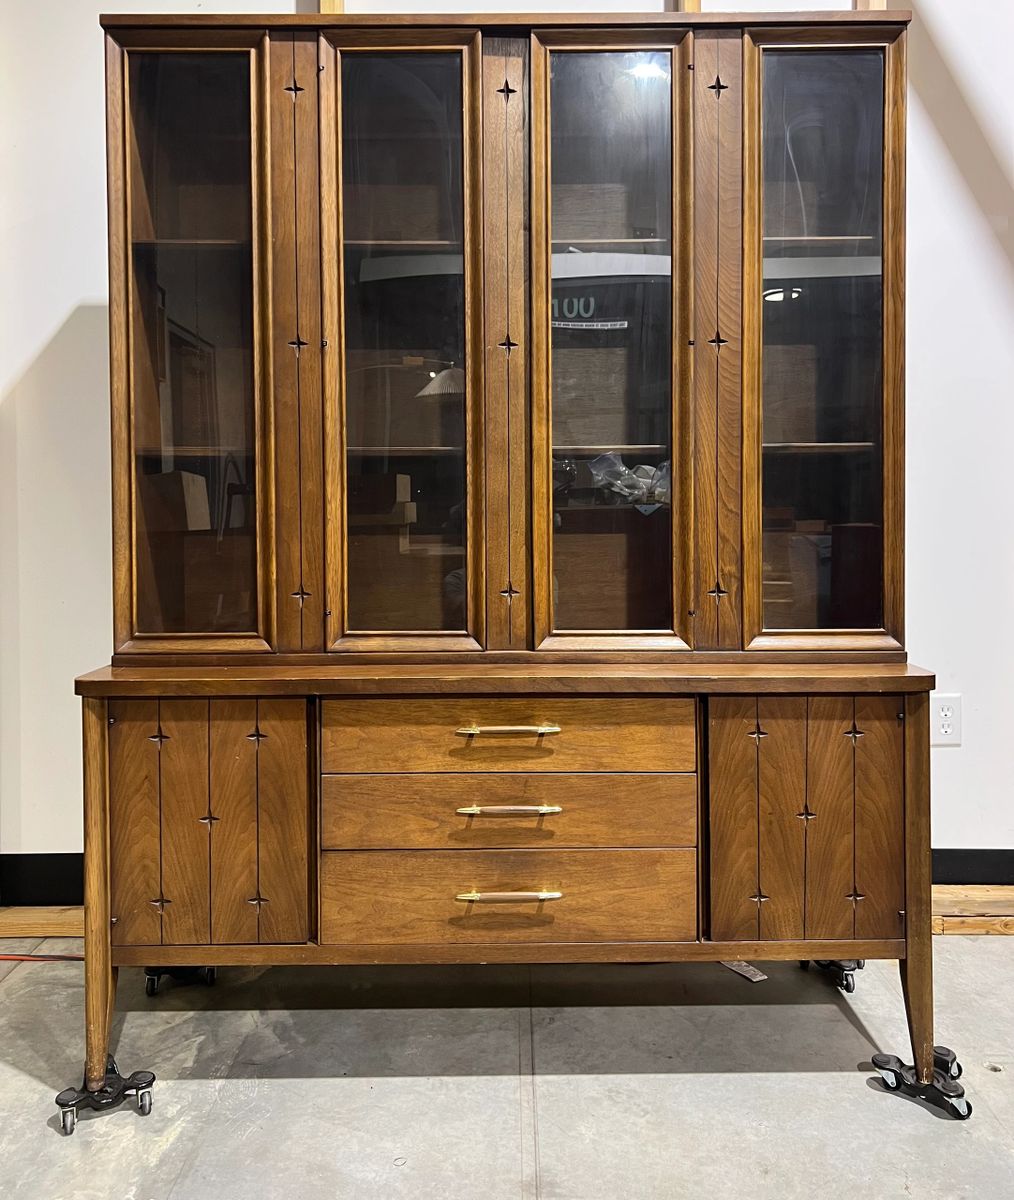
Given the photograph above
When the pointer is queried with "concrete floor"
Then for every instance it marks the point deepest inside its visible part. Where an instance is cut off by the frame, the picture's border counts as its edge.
(504, 1083)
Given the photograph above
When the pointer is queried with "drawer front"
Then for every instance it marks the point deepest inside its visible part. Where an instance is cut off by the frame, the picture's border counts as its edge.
(538, 734)
(376, 897)
(424, 812)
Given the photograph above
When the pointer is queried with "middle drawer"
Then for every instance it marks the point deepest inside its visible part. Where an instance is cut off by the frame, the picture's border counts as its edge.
(410, 812)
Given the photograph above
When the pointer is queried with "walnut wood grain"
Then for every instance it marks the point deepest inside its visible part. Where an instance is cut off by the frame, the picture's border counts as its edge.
(595, 735)
(830, 846)
(186, 841)
(409, 897)
(364, 812)
(135, 877)
(917, 966)
(733, 818)
(100, 975)
(781, 792)
(282, 820)
(233, 807)
(880, 816)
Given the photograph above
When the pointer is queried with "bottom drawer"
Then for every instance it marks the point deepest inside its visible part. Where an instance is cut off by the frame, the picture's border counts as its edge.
(419, 896)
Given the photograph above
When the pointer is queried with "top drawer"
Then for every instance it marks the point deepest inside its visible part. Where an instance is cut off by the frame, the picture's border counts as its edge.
(491, 734)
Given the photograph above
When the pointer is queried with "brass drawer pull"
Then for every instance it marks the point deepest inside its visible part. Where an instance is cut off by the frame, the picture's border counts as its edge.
(507, 897)
(509, 810)
(507, 730)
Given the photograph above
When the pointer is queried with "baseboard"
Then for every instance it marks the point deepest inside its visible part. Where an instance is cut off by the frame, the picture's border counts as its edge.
(41, 880)
(973, 866)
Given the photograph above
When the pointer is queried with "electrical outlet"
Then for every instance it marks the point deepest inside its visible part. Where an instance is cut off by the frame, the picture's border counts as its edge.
(945, 719)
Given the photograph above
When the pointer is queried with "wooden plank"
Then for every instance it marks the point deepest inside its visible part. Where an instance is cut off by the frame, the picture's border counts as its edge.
(781, 792)
(384, 812)
(625, 734)
(410, 896)
(729, 323)
(28, 921)
(830, 835)
(973, 900)
(233, 805)
(282, 820)
(127, 25)
(186, 842)
(135, 870)
(100, 975)
(732, 762)
(880, 809)
(974, 925)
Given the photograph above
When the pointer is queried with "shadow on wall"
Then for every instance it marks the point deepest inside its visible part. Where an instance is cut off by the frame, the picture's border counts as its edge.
(982, 168)
(54, 562)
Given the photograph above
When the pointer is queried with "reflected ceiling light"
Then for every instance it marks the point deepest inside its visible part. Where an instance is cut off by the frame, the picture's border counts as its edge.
(778, 294)
(448, 382)
(648, 71)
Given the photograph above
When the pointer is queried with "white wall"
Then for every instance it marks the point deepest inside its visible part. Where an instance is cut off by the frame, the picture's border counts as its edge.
(55, 610)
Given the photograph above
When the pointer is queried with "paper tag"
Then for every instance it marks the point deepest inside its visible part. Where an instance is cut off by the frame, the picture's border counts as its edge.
(746, 970)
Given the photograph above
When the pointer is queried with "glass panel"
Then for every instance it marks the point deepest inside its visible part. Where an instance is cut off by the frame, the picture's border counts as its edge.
(611, 344)
(405, 367)
(192, 343)
(822, 142)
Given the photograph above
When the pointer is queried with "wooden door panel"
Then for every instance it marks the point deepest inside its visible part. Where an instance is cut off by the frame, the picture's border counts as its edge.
(283, 824)
(733, 764)
(829, 835)
(880, 837)
(134, 838)
(233, 776)
(781, 797)
(186, 845)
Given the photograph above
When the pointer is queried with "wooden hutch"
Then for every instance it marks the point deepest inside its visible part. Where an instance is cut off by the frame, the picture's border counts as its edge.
(508, 481)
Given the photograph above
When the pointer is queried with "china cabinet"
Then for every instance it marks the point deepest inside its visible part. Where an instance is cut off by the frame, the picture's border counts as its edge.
(508, 502)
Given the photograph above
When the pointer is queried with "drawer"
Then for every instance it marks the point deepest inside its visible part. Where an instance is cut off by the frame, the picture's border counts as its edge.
(364, 812)
(372, 897)
(493, 734)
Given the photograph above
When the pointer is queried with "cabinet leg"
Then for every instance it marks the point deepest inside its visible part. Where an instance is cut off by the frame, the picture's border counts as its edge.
(917, 985)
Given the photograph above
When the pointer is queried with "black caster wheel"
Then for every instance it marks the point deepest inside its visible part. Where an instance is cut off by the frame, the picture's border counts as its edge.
(144, 1101)
(68, 1121)
(804, 964)
(943, 1090)
(207, 976)
(947, 1061)
(182, 976)
(151, 985)
(115, 1089)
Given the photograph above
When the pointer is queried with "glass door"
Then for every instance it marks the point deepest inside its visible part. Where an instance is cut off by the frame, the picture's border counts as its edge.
(823, 473)
(608, 475)
(405, 511)
(193, 578)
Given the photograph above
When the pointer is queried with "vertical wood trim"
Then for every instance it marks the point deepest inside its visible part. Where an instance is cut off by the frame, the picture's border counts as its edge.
(705, 374)
(98, 968)
(186, 842)
(504, 141)
(306, 202)
(282, 820)
(119, 350)
(285, 320)
(733, 774)
(880, 835)
(917, 967)
(682, 383)
(541, 382)
(729, 322)
(135, 878)
(750, 298)
(781, 792)
(893, 268)
(830, 836)
(233, 802)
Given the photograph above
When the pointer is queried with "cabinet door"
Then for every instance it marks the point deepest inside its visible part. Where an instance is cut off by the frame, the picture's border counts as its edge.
(824, 342)
(185, 299)
(609, 337)
(402, 293)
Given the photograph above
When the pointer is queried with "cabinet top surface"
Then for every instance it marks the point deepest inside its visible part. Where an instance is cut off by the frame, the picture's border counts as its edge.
(444, 679)
(113, 21)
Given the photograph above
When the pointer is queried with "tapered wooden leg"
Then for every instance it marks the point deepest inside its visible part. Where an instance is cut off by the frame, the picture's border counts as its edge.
(917, 966)
(100, 978)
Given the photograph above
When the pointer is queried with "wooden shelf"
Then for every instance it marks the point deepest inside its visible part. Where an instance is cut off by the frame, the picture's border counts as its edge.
(193, 451)
(819, 237)
(656, 241)
(183, 243)
(403, 451)
(643, 449)
(817, 447)
(399, 242)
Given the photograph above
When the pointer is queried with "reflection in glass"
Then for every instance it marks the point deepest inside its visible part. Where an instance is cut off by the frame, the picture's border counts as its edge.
(402, 191)
(611, 344)
(822, 150)
(191, 344)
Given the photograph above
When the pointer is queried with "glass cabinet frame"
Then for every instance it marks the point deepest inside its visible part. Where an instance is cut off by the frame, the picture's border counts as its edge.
(889, 635)
(250, 45)
(678, 44)
(335, 45)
